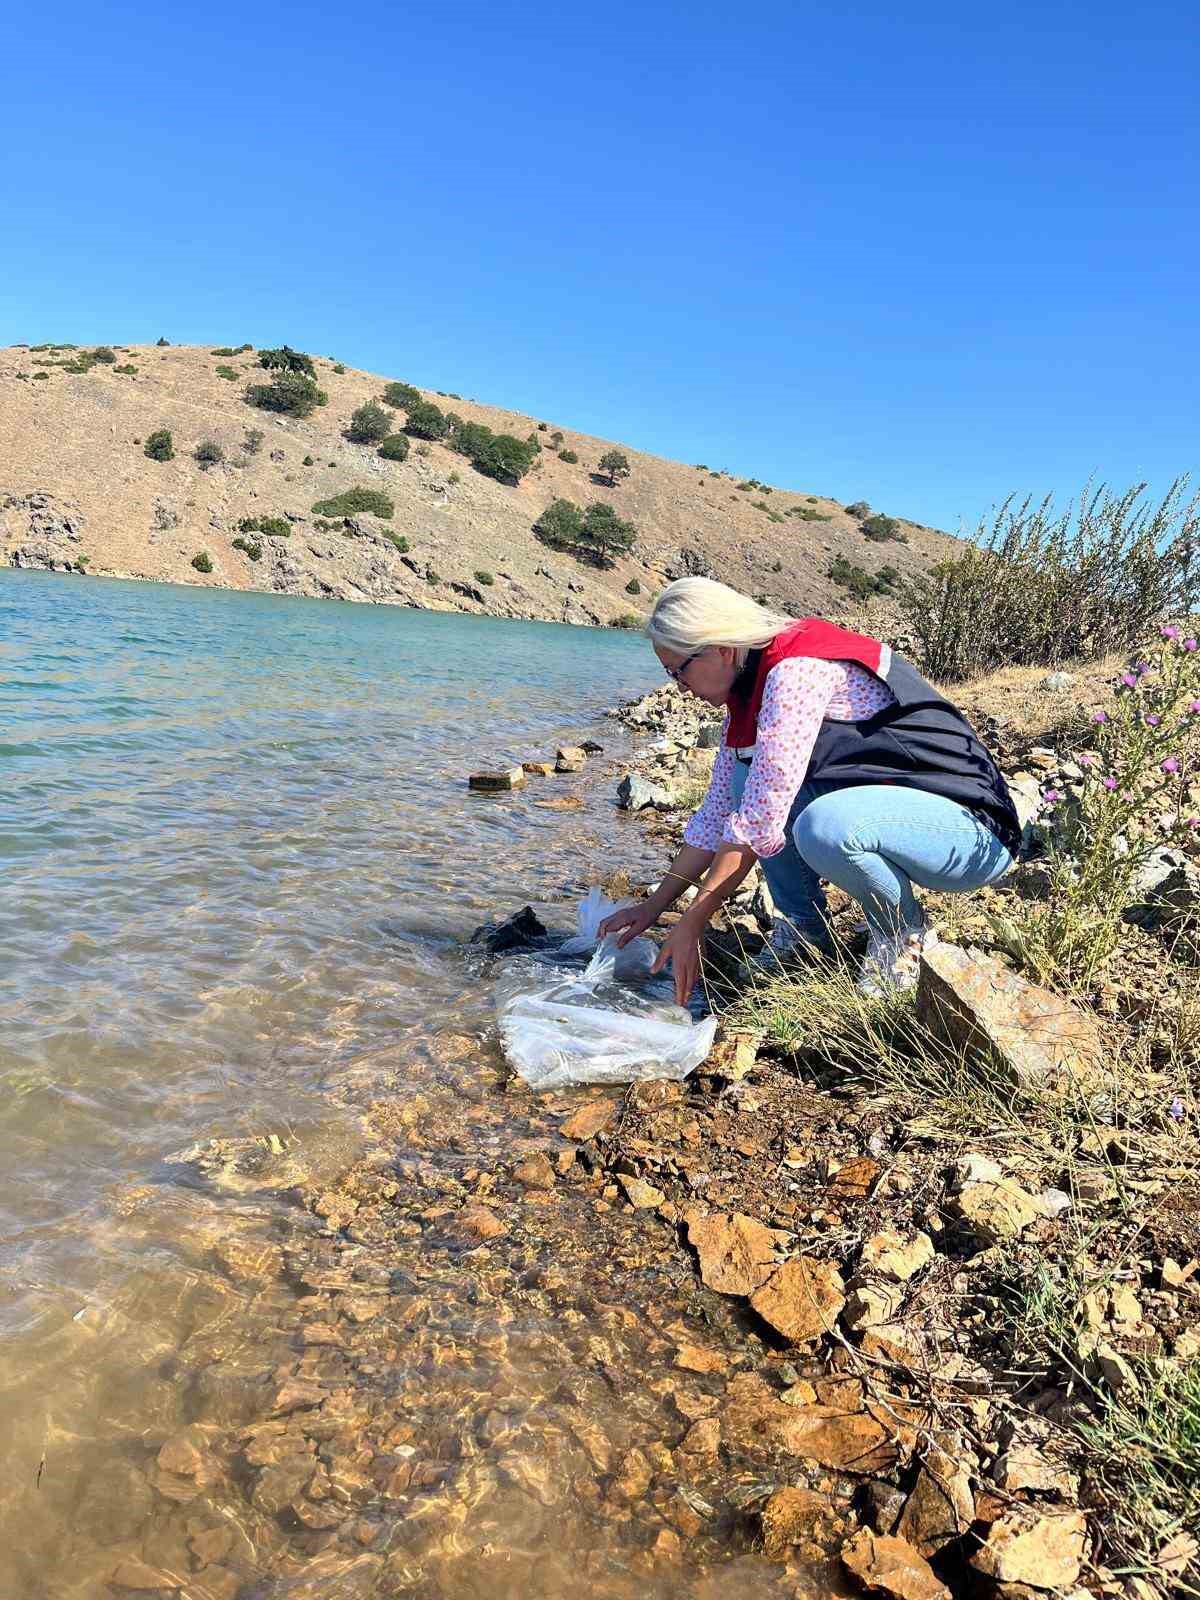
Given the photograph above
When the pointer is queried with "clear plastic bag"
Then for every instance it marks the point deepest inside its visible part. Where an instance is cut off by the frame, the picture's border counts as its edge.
(611, 1023)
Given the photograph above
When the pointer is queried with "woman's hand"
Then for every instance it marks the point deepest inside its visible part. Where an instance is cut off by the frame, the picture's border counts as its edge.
(629, 923)
(681, 948)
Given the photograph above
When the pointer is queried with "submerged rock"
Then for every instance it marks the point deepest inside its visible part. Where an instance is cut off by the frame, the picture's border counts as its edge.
(521, 931)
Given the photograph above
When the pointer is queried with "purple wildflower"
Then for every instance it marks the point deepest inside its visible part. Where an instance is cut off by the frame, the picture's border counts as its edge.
(1169, 633)
(1176, 1109)
(1129, 679)
(1189, 644)
(1153, 719)
(1100, 716)
(1194, 707)
(1110, 784)
(1170, 764)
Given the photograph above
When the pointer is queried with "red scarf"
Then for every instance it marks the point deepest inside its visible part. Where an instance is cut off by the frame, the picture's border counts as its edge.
(810, 636)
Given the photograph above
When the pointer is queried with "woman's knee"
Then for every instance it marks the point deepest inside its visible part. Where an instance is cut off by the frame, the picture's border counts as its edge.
(824, 829)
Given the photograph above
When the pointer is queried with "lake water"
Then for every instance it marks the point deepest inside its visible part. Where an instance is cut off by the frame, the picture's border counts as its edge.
(238, 860)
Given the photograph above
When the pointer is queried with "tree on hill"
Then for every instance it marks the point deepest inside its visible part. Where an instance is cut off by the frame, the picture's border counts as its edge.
(505, 458)
(369, 424)
(426, 420)
(469, 438)
(605, 534)
(614, 464)
(560, 525)
(596, 535)
(159, 445)
(395, 447)
(290, 392)
(400, 396)
(285, 359)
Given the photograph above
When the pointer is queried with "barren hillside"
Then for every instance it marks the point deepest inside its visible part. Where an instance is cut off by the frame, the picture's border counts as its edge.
(77, 491)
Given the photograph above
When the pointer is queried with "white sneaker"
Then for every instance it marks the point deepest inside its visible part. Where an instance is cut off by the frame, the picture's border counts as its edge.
(893, 962)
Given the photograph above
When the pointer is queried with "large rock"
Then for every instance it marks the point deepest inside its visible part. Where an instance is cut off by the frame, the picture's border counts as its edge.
(1043, 1551)
(850, 1434)
(589, 1120)
(887, 1565)
(997, 1211)
(634, 793)
(896, 1257)
(795, 1517)
(1033, 1037)
(941, 1506)
(802, 1299)
(498, 782)
(736, 1253)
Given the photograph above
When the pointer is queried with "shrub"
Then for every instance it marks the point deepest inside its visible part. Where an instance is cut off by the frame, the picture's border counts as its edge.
(395, 447)
(627, 619)
(1040, 587)
(614, 464)
(104, 355)
(208, 453)
(633, 587)
(159, 445)
(399, 541)
(224, 350)
(880, 529)
(505, 458)
(556, 438)
(339, 369)
(163, 341)
(369, 424)
(811, 498)
(1134, 789)
(760, 505)
(432, 578)
(308, 462)
(285, 359)
(275, 527)
(252, 442)
(40, 377)
(861, 584)
(290, 392)
(353, 501)
(202, 562)
(426, 420)
(568, 456)
(228, 373)
(401, 395)
(807, 514)
(745, 486)
(128, 370)
(251, 548)
(857, 508)
(485, 578)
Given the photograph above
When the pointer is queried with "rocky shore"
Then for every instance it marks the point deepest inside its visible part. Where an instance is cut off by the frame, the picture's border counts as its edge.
(849, 1311)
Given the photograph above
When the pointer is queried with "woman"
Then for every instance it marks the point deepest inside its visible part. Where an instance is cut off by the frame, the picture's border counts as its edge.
(837, 761)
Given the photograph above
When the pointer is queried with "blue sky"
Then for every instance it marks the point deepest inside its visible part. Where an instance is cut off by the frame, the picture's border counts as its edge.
(921, 254)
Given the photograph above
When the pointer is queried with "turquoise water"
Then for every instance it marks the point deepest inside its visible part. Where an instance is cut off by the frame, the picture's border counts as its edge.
(238, 855)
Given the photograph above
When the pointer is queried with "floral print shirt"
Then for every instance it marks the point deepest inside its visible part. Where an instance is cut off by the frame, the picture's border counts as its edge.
(799, 694)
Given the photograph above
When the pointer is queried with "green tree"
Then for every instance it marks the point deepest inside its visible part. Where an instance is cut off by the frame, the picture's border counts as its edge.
(470, 438)
(560, 525)
(605, 534)
(395, 447)
(857, 508)
(369, 424)
(426, 420)
(209, 453)
(292, 393)
(880, 528)
(505, 458)
(285, 359)
(159, 445)
(614, 464)
(202, 562)
(400, 396)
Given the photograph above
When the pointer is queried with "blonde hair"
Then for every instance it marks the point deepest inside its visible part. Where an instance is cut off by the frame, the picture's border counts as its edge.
(692, 613)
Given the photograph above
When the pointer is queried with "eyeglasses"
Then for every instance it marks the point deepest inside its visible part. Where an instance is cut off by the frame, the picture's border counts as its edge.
(678, 672)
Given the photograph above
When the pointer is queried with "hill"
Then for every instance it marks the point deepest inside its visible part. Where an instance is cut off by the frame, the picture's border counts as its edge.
(79, 492)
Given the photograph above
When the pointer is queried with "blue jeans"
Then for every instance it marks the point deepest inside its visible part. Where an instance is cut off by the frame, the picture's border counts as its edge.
(874, 841)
